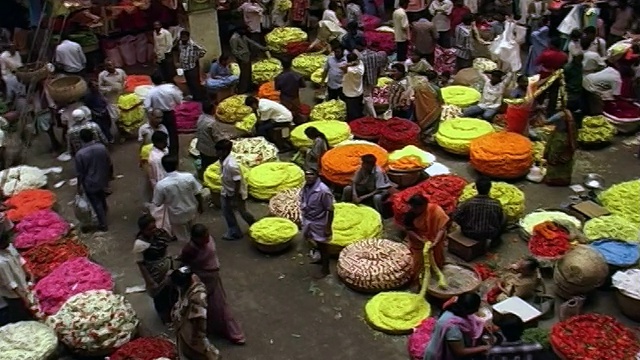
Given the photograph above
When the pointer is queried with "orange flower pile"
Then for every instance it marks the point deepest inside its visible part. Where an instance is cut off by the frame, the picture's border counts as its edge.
(503, 155)
(29, 201)
(340, 164)
(410, 162)
(268, 91)
(133, 81)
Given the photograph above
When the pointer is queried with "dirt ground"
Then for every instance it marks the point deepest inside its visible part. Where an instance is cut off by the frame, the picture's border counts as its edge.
(286, 315)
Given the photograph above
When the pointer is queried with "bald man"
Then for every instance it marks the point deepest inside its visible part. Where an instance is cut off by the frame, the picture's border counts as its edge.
(155, 124)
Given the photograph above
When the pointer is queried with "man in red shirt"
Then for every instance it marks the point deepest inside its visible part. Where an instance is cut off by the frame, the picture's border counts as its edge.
(549, 61)
(457, 14)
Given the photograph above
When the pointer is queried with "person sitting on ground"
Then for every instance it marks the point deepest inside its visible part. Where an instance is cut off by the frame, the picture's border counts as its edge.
(270, 115)
(605, 84)
(523, 281)
(512, 347)
(481, 218)
(220, 75)
(417, 65)
(520, 91)
(491, 99)
(432, 76)
(369, 182)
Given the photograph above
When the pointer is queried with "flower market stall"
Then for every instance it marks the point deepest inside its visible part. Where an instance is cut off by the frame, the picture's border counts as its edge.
(146, 348)
(232, 109)
(353, 223)
(27, 340)
(455, 135)
(329, 110)
(335, 131)
(39, 227)
(267, 179)
(27, 202)
(398, 133)
(278, 39)
(23, 177)
(502, 155)
(307, 64)
(621, 199)
(462, 96)
(340, 164)
(286, 204)
(510, 197)
(272, 234)
(42, 259)
(611, 227)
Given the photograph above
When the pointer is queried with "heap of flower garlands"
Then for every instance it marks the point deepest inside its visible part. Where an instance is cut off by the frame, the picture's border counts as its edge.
(41, 260)
(621, 199)
(307, 64)
(341, 163)
(27, 340)
(398, 133)
(549, 241)
(335, 131)
(146, 348)
(329, 110)
(442, 190)
(278, 39)
(40, 227)
(232, 109)
(502, 155)
(22, 177)
(27, 202)
(510, 197)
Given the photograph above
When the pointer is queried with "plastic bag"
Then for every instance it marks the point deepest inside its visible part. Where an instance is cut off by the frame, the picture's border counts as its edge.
(83, 211)
(506, 48)
(571, 21)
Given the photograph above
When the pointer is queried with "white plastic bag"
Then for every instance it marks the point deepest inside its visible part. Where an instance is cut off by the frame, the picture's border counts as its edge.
(83, 210)
(571, 21)
(506, 49)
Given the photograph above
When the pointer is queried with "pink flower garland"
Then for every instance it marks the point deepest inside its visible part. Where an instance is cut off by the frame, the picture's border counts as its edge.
(72, 277)
(40, 227)
(419, 340)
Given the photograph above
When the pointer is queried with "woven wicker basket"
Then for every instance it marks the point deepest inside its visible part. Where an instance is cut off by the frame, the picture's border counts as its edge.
(68, 89)
(435, 292)
(32, 72)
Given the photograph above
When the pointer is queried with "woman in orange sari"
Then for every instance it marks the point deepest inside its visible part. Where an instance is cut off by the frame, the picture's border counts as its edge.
(425, 222)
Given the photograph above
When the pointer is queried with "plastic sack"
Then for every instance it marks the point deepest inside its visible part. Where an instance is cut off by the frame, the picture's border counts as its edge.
(616, 252)
(506, 48)
(571, 21)
(83, 211)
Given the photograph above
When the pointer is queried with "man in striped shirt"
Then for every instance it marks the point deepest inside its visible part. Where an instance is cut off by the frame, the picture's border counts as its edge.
(480, 218)
(512, 347)
(375, 63)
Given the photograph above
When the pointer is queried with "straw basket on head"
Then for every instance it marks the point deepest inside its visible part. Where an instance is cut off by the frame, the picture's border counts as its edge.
(67, 89)
(32, 72)
(579, 272)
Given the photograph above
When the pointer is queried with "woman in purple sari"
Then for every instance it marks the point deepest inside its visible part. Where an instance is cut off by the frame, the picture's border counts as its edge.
(201, 256)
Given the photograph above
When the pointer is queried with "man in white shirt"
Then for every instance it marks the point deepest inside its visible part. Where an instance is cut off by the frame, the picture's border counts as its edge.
(165, 97)
(605, 84)
(401, 30)
(270, 115)
(179, 192)
(252, 15)
(491, 99)
(440, 10)
(10, 61)
(155, 173)
(233, 194)
(13, 282)
(163, 50)
(353, 86)
(70, 58)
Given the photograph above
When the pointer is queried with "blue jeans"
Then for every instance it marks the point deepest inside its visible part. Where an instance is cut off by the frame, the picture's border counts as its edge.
(477, 111)
(228, 205)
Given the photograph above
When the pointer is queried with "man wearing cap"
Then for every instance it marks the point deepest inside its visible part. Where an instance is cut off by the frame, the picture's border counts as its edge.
(80, 121)
(316, 207)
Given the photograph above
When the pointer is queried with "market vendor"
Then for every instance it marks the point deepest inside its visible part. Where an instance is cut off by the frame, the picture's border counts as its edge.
(13, 283)
(165, 97)
(111, 82)
(270, 115)
(481, 218)
(289, 83)
(522, 281)
(605, 84)
(370, 182)
(220, 75)
(492, 94)
(70, 58)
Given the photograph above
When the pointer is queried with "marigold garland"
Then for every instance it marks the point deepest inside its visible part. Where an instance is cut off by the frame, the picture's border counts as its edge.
(409, 162)
(503, 155)
(353, 223)
(41, 260)
(442, 190)
(273, 230)
(27, 202)
(367, 127)
(398, 133)
(335, 131)
(268, 91)
(455, 135)
(146, 348)
(340, 164)
(267, 179)
(510, 197)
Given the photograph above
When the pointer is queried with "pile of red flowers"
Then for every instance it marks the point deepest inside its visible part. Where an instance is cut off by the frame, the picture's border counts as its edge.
(484, 271)
(370, 22)
(622, 109)
(296, 48)
(146, 348)
(43, 259)
(380, 41)
(549, 241)
(442, 190)
(29, 201)
(398, 133)
(593, 337)
(366, 127)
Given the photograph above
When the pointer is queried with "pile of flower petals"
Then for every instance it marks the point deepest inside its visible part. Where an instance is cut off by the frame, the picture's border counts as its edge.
(72, 277)
(442, 190)
(41, 260)
(40, 227)
(28, 201)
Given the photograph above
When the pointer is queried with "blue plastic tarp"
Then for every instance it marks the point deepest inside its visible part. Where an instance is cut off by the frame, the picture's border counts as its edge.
(616, 252)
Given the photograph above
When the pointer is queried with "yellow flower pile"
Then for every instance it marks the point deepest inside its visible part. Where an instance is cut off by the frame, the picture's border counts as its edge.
(335, 131)
(212, 177)
(132, 113)
(510, 197)
(596, 129)
(273, 230)
(622, 200)
(283, 5)
(450, 112)
(265, 70)
(352, 223)
(279, 37)
(413, 151)
(462, 96)
(329, 110)
(254, 151)
(306, 64)
(384, 81)
(145, 151)
(611, 227)
(317, 78)
(235, 69)
(232, 109)
(538, 150)
(267, 179)
(455, 135)
(247, 123)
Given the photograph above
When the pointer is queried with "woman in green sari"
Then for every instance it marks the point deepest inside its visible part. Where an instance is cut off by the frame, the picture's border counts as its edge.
(560, 148)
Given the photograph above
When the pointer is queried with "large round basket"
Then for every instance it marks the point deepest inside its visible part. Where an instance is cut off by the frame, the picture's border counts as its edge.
(525, 234)
(405, 178)
(273, 248)
(32, 72)
(68, 89)
(579, 272)
(630, 307)
(454, 275)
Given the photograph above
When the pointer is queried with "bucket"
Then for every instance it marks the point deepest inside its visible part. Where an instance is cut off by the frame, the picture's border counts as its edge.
(517, 117)
(141, 48)
(128, 50)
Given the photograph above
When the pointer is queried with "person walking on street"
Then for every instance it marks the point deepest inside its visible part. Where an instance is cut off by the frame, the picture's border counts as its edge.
(241, 49)
(333, 73)
(190, 55)
(163, 51)
(401, 30)
(425, 38)
(165, 97)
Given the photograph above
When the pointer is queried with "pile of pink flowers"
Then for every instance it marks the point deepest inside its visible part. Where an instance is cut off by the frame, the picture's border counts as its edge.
(40, 227)
(420, 337)
(380, 41)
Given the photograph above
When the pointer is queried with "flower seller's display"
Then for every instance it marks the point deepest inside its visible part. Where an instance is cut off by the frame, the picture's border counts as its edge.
(212, 177)
(352, 223)
(254, 151)
(70, 278)
(335, 131)
(286, 204)
(529, 221)
(247, 123)
(510, 197)
(450, 112)
(455, 135)
(27, 340)
(594, 337)
(370, 22)
(95, 321)
(279, 37)
(419, 338)
(296, 48)
(27, 202)
(503, 155)
(267, 179)
(146, 348)
(22, 177)
(367, 128)
(132, 113)
(329, 110)
(39, 227)
(341, 163)
(484, 64)
(307, 64)
(316, 77)
(596, 130)
(408, 163)
(232, 109)
(268, 91)
(273, 230)
(380, 97)
(462, 96)
(265, 70)
(411, 150)
(611, 227)
(380, 41)
(398, 133)
(442, 190)
(41, 260)
(549, 241)
(375, 265)
(622, 200)
(384, 81)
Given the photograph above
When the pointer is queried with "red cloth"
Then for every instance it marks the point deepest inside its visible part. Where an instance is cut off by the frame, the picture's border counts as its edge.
(456, 16)
(551, 60)
(517, 117)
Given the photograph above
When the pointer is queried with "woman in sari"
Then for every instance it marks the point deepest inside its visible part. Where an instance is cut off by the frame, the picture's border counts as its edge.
(189, 317)
(425, 222)
(154, 265)
(318, 148)
(427, 102)
(560, 148)
(201, 256)
(457, 330)
(111, 83)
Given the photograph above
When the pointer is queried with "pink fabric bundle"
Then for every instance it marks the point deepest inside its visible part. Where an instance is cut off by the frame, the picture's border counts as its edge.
(40, 227)
(420, 337)
(187, 115)
(72, 277)
(380, 41)
(370, 22)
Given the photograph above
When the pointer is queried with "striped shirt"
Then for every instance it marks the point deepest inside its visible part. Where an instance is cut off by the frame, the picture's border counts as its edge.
(480, 218)
(516, 350)
(374, 63)
(190, 53)
(463, 41)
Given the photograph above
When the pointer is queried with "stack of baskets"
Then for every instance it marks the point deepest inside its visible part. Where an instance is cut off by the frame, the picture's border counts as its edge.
(32, 72)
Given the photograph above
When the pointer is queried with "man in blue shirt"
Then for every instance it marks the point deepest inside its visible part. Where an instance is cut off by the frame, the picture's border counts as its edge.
(333, 72)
